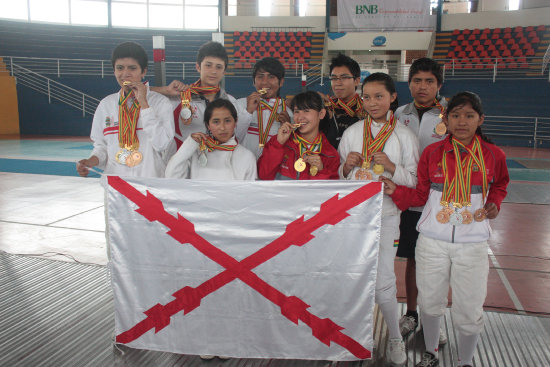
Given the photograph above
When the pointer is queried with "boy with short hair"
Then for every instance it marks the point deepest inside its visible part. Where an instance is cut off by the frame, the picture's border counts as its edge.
(264, 109)
(133, 127)
(189, 100)
(346, 107)
(423, 116)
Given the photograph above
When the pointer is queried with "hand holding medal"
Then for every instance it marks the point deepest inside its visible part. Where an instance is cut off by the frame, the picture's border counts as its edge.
(186, 114)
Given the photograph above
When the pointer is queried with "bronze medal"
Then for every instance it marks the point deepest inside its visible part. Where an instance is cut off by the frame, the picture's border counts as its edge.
(467, 217)
(443, 216)
(480, 215)
(137, 157)
(299, 165)
(130, 161)
(440, 129)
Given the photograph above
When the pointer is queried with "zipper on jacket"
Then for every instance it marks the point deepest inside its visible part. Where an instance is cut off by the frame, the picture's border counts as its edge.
(453, 236)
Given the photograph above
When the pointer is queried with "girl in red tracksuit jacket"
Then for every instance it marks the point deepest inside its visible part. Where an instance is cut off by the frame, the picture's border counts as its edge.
(300, 151)
(462, 181)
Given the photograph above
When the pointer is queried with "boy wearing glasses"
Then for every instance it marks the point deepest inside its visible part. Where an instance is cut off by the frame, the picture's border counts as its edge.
(346, 107)
(264, 111)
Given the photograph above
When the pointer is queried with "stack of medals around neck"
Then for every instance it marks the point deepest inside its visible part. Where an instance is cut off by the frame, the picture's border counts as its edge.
(372, 145)
(263, 131)
(353, 108)
(128, 142)
(456, 193)
(306, 148)
(185, 113)
(440, 128)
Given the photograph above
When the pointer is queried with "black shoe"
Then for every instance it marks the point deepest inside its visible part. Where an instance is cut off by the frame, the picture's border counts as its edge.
(428, 360)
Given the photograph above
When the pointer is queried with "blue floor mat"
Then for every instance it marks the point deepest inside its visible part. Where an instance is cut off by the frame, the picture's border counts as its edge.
(514, 164)
(40, 167)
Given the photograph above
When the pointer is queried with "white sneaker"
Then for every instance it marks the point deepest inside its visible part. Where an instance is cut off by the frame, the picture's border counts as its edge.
(207, 357)
(442, 337)
(407, 324)
(395, 354)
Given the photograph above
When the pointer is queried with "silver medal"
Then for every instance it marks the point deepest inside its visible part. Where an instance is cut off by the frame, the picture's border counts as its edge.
(203, 161)
(185, 113)
(123, 156)
(456, 219)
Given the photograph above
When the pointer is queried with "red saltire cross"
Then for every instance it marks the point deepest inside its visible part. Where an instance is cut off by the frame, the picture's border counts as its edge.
(297, 233)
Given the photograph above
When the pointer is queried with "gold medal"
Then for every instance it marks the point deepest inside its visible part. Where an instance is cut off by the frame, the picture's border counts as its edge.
(440, 129)
(125, 83)
(299, 165)
(313, 170)
(378, 169)
(261, 145)
(117, 156)
(263, 91)
(467, 217)
(480, 215)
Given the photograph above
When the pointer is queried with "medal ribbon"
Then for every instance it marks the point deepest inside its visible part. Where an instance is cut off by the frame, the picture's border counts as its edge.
(376, 144)
(435, 104)
(127, 120)
(307, 147)
(262, 106)
(212, 144)
(196, 88)
(353, 108)
(458, 188)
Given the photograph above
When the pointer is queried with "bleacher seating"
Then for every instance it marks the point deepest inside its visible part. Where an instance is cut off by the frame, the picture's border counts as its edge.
(288, 47)
(506, 47)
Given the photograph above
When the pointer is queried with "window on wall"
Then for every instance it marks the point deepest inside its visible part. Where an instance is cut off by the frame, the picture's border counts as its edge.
(129, 13)
(166, 14)
(312, 8)
(231, 8)
(89, 12)
(54, 11)
(172, 14)
(264, 8)
(14, 9)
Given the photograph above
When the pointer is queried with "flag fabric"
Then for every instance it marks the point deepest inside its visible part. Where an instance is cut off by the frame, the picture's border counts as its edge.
(266, 269)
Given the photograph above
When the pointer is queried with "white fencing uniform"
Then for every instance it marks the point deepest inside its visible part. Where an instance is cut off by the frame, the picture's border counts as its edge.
(155, 131)
(239, 164)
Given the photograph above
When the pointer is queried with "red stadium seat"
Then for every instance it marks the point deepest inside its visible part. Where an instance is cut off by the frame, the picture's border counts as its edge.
(254, 34)
(262, 39)
(457, 49)
(288, 44)
(456, 32)
(507, 30)
(517, 53)
(471, 37)
(460, 37)
(529, 28)
(469, 48)
(532, 34)
(472, 54)
(299, 34)
(237, 44)
(263, 34)
(246, 34)
(523, 41)
(462, 55)
(541, 28)
(495, 36)
(496, 31)
(476, 31)
(248, 44)
(514, 47)
(476, 43)
(237, 54)
(526, 46)
(236, 34)
(480, 48)
(495, 53)
(511, 41)
(309, 34)
(307, 44)
(535, 40)
(530, 52)
(506, 53)
(518, 29)
(499, 42)
(483, 36)
(483, 54)
(491, 48)
(466, 31)
(486, 31)
(507, 36)
(450, 55)
(487, 43)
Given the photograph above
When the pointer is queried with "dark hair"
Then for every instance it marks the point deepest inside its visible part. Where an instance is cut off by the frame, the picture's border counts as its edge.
(213, 49)
(351, 64)
(218, 103)
(472, 99)
(429, 65)
(307, 100)
(388, 83)
(132, 50)
(270, 65)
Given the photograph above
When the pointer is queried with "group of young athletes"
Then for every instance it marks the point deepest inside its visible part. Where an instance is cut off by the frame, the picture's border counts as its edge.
(442, 177)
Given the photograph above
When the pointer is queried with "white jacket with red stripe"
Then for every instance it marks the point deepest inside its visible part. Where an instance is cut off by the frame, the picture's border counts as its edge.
(155, 131)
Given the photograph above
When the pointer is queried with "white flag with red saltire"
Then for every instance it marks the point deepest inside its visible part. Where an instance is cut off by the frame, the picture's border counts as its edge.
(261, 269)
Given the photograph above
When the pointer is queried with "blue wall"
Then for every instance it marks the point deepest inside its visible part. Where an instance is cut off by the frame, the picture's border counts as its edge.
(527, 98)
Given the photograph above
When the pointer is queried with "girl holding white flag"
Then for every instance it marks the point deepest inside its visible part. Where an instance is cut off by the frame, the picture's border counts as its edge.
(215, 155)
(380, 147)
